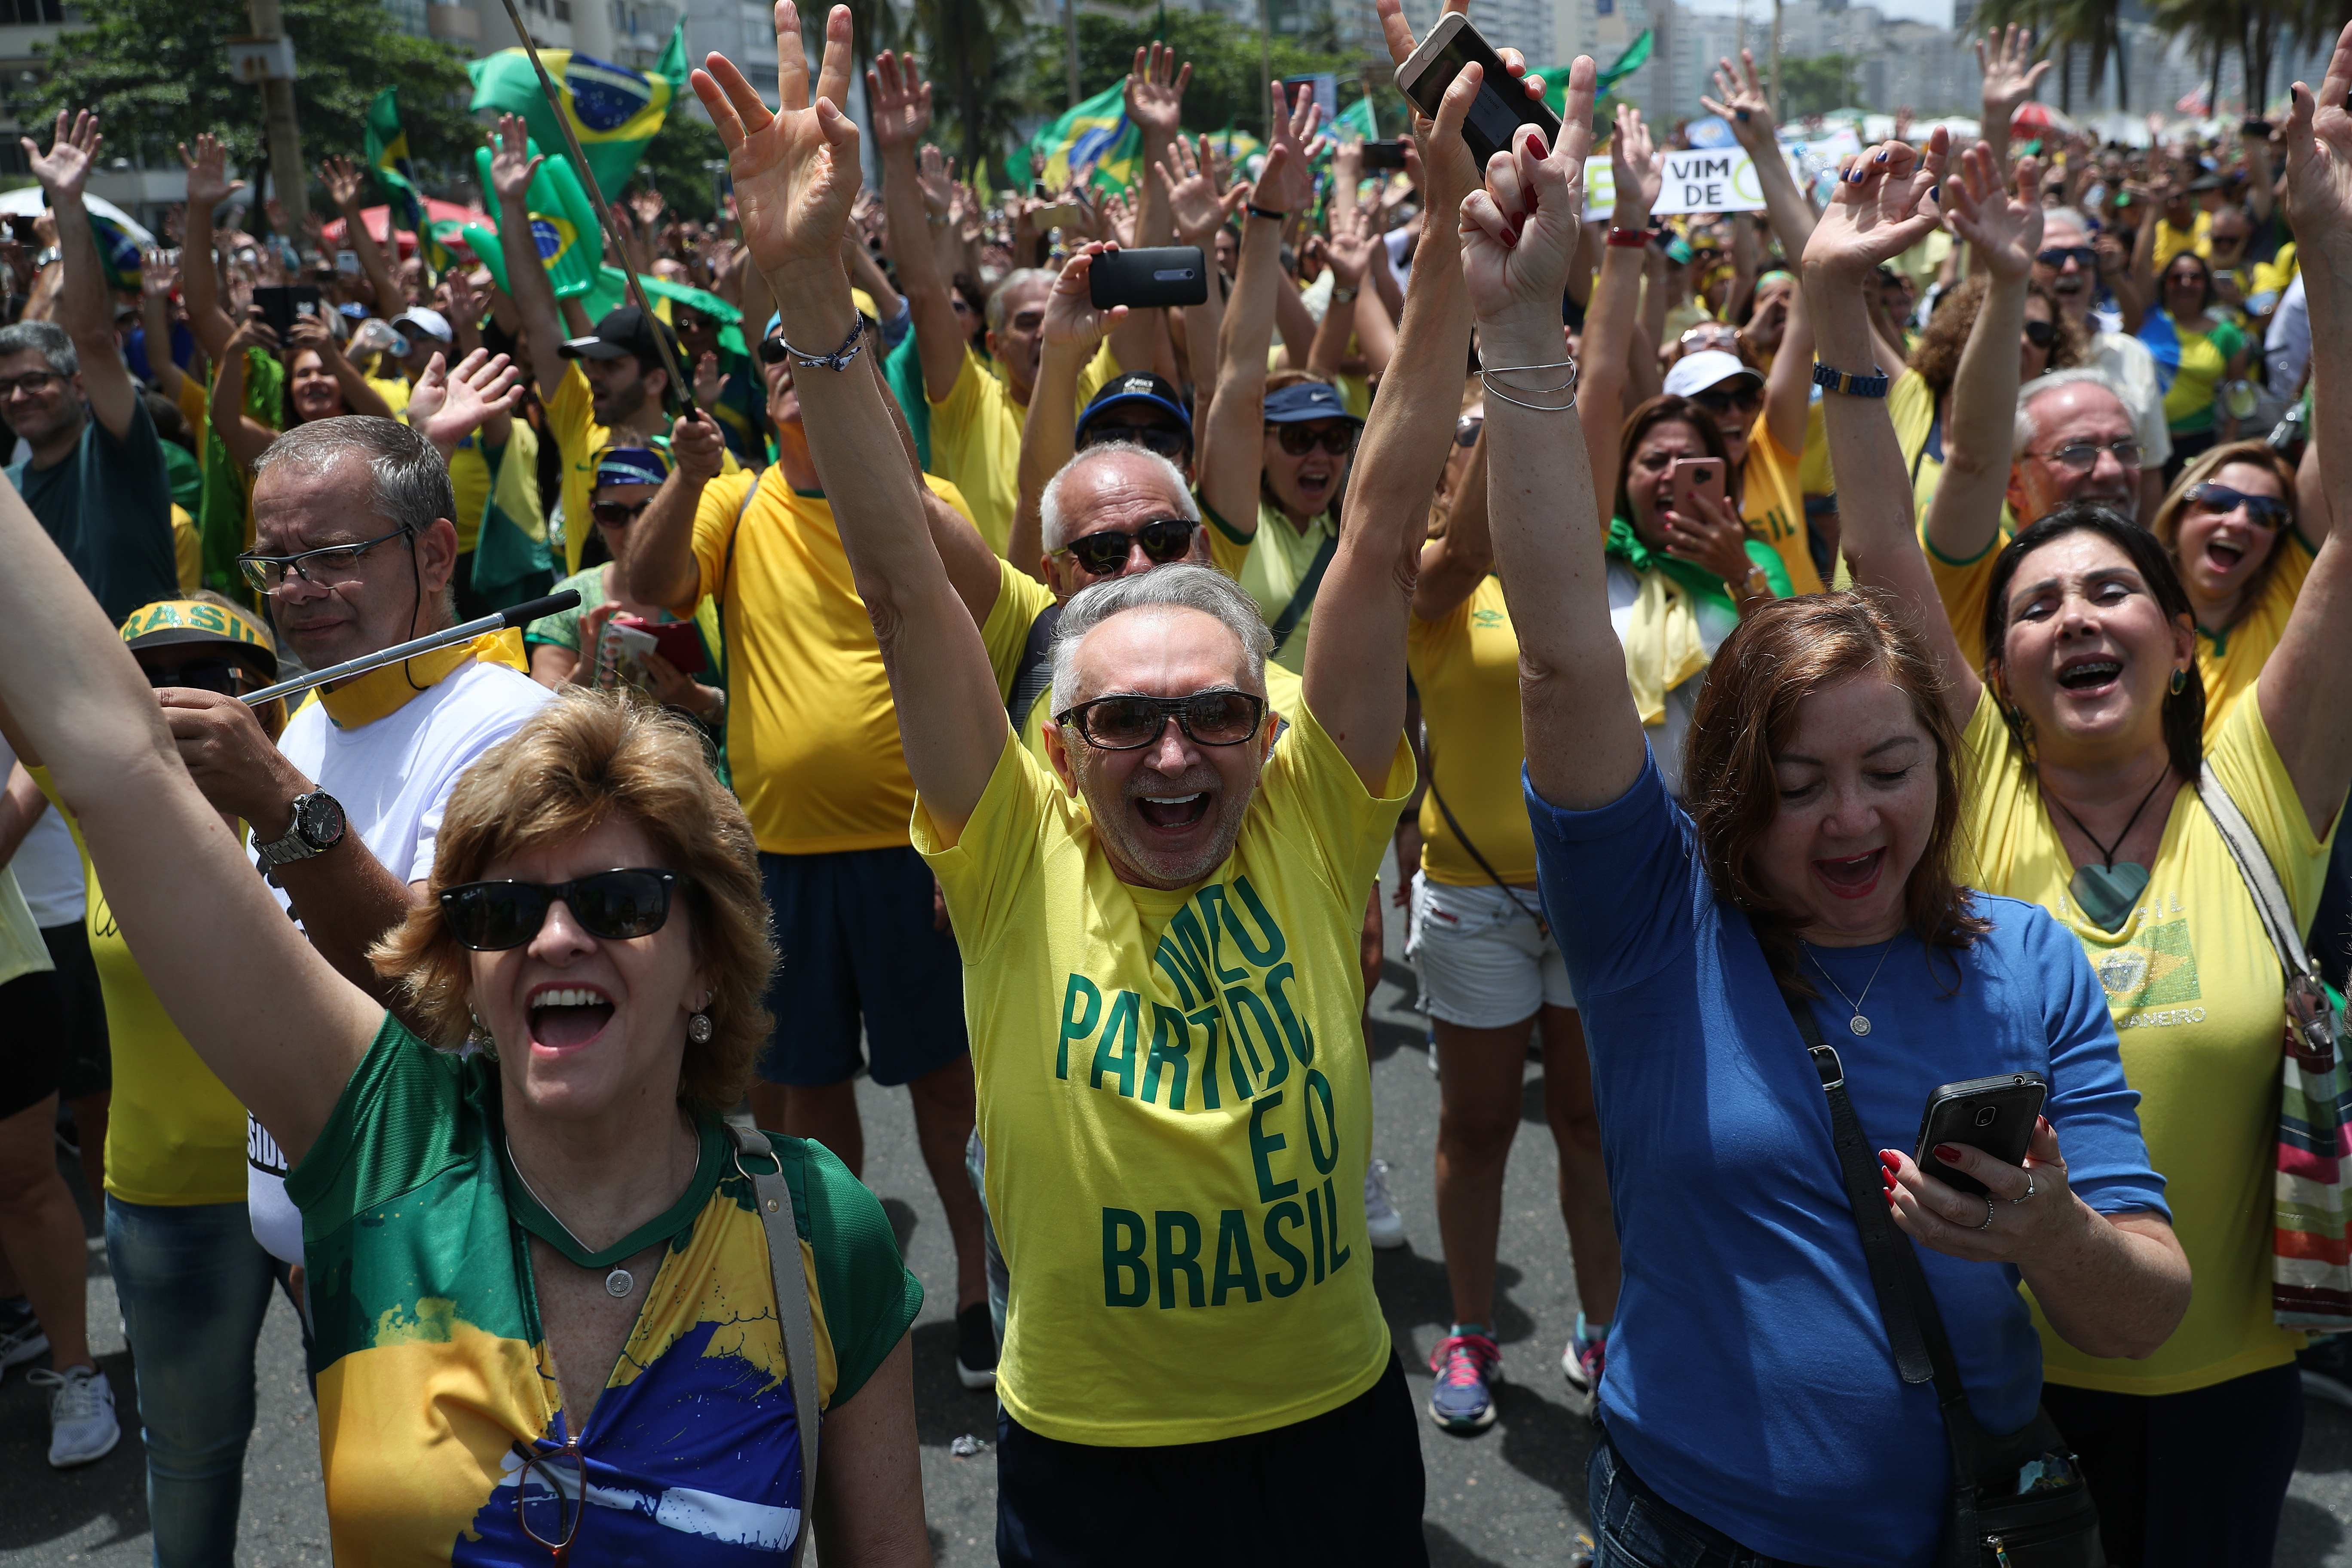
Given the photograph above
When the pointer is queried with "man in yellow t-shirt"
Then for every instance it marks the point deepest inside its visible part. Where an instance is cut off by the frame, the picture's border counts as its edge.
(812, 749)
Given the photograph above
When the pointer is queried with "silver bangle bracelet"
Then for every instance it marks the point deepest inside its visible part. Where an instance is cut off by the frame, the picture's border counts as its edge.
(1487, 378)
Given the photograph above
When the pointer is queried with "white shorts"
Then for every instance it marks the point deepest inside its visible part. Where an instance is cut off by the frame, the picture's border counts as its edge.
(1484, 961)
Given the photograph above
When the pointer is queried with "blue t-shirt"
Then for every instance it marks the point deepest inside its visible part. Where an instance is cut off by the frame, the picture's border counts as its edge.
(1749, 1380)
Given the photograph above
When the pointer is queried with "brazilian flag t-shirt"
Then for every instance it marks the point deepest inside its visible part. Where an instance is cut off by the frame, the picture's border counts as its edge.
(432, 1365)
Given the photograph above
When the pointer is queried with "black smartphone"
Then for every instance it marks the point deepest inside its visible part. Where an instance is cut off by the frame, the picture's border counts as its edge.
(1166, 275)
(282, 307)
(2254, 128)
(1502, 105)
(1994, 1114)
(25, 228)
(1383, 155)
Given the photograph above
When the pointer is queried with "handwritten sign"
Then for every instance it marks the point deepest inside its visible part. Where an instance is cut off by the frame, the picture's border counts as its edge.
(1711, 180)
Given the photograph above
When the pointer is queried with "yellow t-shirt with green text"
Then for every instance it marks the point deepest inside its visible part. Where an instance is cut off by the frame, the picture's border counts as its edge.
(976, 439)
(812, 733)
(1773, 506)
(1175, 1102)
(1465, 665)
(2195, 989)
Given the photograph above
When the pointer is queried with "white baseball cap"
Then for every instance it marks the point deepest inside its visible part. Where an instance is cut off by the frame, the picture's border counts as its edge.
(1695, 373)
(429, 321)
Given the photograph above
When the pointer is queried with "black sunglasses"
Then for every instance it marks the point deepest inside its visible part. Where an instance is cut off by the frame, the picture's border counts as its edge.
(1466, 428)
(617, 905)
(1715, 402)
(617, 514)
(1298, 440)
(2041, 334)
(228, 677)
(772, 349)
(1164, 538)
(2057, 255)
(1129, 723)
(2268, 510)
(1165, 439)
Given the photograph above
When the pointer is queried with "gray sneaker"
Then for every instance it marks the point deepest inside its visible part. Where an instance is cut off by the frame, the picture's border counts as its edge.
(22, 1339)
(82, 1427)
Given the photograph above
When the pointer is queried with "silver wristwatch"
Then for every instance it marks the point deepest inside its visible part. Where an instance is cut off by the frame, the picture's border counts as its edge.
(316, 828)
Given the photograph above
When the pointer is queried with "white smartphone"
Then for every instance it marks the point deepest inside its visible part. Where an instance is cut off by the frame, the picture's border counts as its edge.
(1502, 106)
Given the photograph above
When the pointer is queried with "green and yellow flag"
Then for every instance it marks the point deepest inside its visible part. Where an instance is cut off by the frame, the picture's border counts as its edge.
(1091, 143)
(612, 110)
(387, 157)
(1636, 56)
(562, 225)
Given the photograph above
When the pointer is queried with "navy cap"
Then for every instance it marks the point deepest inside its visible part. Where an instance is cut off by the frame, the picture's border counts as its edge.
(1137, 387)
(631, 466)
(1305, 400)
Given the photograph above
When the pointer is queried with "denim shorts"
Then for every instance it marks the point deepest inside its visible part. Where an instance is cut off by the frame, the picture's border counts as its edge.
(1634, 1526)
(1486, 962)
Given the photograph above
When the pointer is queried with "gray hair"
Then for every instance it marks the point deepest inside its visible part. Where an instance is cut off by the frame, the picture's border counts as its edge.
(1177, 586)
(1055, 523)
(47, 339)
(412, 482)
(2024, 435)
(2053, 215)
(1000, 297)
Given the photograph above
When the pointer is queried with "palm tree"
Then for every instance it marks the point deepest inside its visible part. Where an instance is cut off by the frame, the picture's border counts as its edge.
(976, 52)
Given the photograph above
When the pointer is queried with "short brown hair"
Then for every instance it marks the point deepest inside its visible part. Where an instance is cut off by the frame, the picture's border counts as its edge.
(1937, 357)
(1780, 654)
(2166, 524)
(584, 759)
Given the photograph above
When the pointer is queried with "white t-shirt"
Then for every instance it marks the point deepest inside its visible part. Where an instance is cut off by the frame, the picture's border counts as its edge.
(1715, 623)
(48, 865)
(392, 779)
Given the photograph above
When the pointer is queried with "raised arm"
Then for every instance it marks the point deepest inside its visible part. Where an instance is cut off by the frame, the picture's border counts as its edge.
(448, 404)
(85, 307)
(1188, 182)
(157, 282)
(2011, 75)
(244, 436)
(1787, 390)
(1071, 330)
(208, 186)
(659, 567)
(2307, 688)
(1154, 101)
(1454, 561)
(75, 695)
(796, 176)
(1348, 252)
(1603, 378)
(898, 107)
(345, 187)
(512, 169)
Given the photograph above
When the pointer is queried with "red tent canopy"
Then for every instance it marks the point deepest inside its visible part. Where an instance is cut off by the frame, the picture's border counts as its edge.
(379, 223)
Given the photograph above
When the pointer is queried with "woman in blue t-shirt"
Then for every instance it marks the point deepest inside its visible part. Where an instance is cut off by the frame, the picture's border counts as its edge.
(1752, 1403)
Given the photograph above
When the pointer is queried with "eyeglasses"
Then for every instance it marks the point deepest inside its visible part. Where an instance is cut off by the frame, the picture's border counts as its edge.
(29, 382)
(2267, 510)
(2084, 455)
(1715, 402)
(1131, 723)
(320, 568)
(2041, 334)
(1164, 538)
(550, 1514)
(1466, 428)
(618, 906)
(2057, 255)
(617, 514)
(227, 676)
(1167, 440)
(1339, 439)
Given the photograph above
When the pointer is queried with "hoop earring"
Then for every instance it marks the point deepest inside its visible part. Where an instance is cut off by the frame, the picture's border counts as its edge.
(2180, 682)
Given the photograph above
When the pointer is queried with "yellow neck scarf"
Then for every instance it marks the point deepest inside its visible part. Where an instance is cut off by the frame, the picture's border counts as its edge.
(379, 693)
(1662, 645)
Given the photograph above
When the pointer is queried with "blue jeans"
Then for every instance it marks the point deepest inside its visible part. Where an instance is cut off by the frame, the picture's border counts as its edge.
(194, 1287)
(1634, 1526)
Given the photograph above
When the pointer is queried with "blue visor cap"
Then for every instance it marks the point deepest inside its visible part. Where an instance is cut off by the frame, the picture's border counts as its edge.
(1305, 400)
(631, 466)
(1138, 388)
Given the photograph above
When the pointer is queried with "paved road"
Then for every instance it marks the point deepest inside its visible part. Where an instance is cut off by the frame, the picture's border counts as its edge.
(1513, 1495)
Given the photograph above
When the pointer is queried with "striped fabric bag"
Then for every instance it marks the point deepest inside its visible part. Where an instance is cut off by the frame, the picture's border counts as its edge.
(2311, 1246)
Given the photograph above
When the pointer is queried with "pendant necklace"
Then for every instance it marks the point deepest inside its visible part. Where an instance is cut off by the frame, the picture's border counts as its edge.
(1857, 1024)
(2107, 891)
(620, 1282)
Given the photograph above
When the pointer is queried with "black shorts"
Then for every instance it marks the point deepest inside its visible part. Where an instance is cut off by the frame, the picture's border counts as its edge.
(1343, 1486)
(89, 1063)
(33, 1059)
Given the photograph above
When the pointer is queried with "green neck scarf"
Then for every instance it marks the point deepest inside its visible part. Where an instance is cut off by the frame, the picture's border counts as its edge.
(1626, 545)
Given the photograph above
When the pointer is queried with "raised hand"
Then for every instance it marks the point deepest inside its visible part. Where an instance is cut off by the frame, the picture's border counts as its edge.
(73, 152)
(512, 167)
(1520, 230)
(1397, 33)
(1287, 184)
(795, 172)
(2320, 164)
(1115, 220)
(343, 181)
(2004, 222)
(252, 332)
(1071, 318)
(155, 278)
(897, 102)
(648, 204)
(1741, 100)
(1349, 250)
(1155, 92)
(935, 173)
(1882, 208)
(709, 381)
(1640, 174)
(1190, 181)
(698, 446)
(2009, 76)
(464, 305)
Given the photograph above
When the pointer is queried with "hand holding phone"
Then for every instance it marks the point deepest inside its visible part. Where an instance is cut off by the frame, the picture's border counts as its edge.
(1503, 104)
(1383, 155)
(1692, 480)
(1995, 1114)
(1154, 277)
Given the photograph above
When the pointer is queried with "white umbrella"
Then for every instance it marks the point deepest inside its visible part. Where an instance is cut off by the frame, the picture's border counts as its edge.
(31, 200)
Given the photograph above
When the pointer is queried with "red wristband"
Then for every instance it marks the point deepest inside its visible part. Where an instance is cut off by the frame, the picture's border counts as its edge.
(1628, 237)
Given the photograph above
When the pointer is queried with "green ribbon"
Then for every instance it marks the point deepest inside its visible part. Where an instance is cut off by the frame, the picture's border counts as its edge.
(1627, 546)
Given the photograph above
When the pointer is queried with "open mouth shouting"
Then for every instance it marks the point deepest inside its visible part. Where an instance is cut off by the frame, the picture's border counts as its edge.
(1852, 876)
(1315, 483)
(2090, 675)
(566, 1017)
(2224, 555)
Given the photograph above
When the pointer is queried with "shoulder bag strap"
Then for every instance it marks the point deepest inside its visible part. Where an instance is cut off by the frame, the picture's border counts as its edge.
(776, 1199)
(1425, 755)
(2260, 876)
(1035, 673)
(1303, 600)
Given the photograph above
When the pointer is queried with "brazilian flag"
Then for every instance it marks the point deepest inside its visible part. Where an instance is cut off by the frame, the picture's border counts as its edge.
(387, 156)
(1636, 56)
(118, 251)
(612, 110)
(1092, 143)
(563, 223)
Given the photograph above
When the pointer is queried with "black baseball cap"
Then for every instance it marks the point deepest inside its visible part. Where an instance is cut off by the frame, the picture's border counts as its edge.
(1137, 387)
(627, 331)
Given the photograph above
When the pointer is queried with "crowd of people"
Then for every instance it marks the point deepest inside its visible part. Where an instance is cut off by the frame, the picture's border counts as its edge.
(1906, 617)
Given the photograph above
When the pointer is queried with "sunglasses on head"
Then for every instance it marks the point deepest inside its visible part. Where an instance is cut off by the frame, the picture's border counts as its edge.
(2041, 334)
(1338, 440)
(617, 905)
(616, 513)
(2220, 500)
(1164, 538)
(2057, 255)
(1167, 441)
(1131, 723)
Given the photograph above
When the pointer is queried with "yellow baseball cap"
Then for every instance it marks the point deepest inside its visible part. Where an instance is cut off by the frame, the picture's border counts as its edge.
(209, 619)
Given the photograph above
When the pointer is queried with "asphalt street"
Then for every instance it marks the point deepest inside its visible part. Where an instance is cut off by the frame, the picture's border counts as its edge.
(1512, 1495)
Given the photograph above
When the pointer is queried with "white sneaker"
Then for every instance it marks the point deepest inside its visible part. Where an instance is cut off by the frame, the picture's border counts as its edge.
(21, 1341)
(82, 1427)
(1382, 1222)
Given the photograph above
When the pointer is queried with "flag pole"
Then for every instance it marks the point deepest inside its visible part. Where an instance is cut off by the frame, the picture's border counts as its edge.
(603, 213)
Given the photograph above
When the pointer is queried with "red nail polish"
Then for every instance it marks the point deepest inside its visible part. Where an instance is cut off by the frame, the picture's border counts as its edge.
(1946, 1154)
(1890, 1159)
